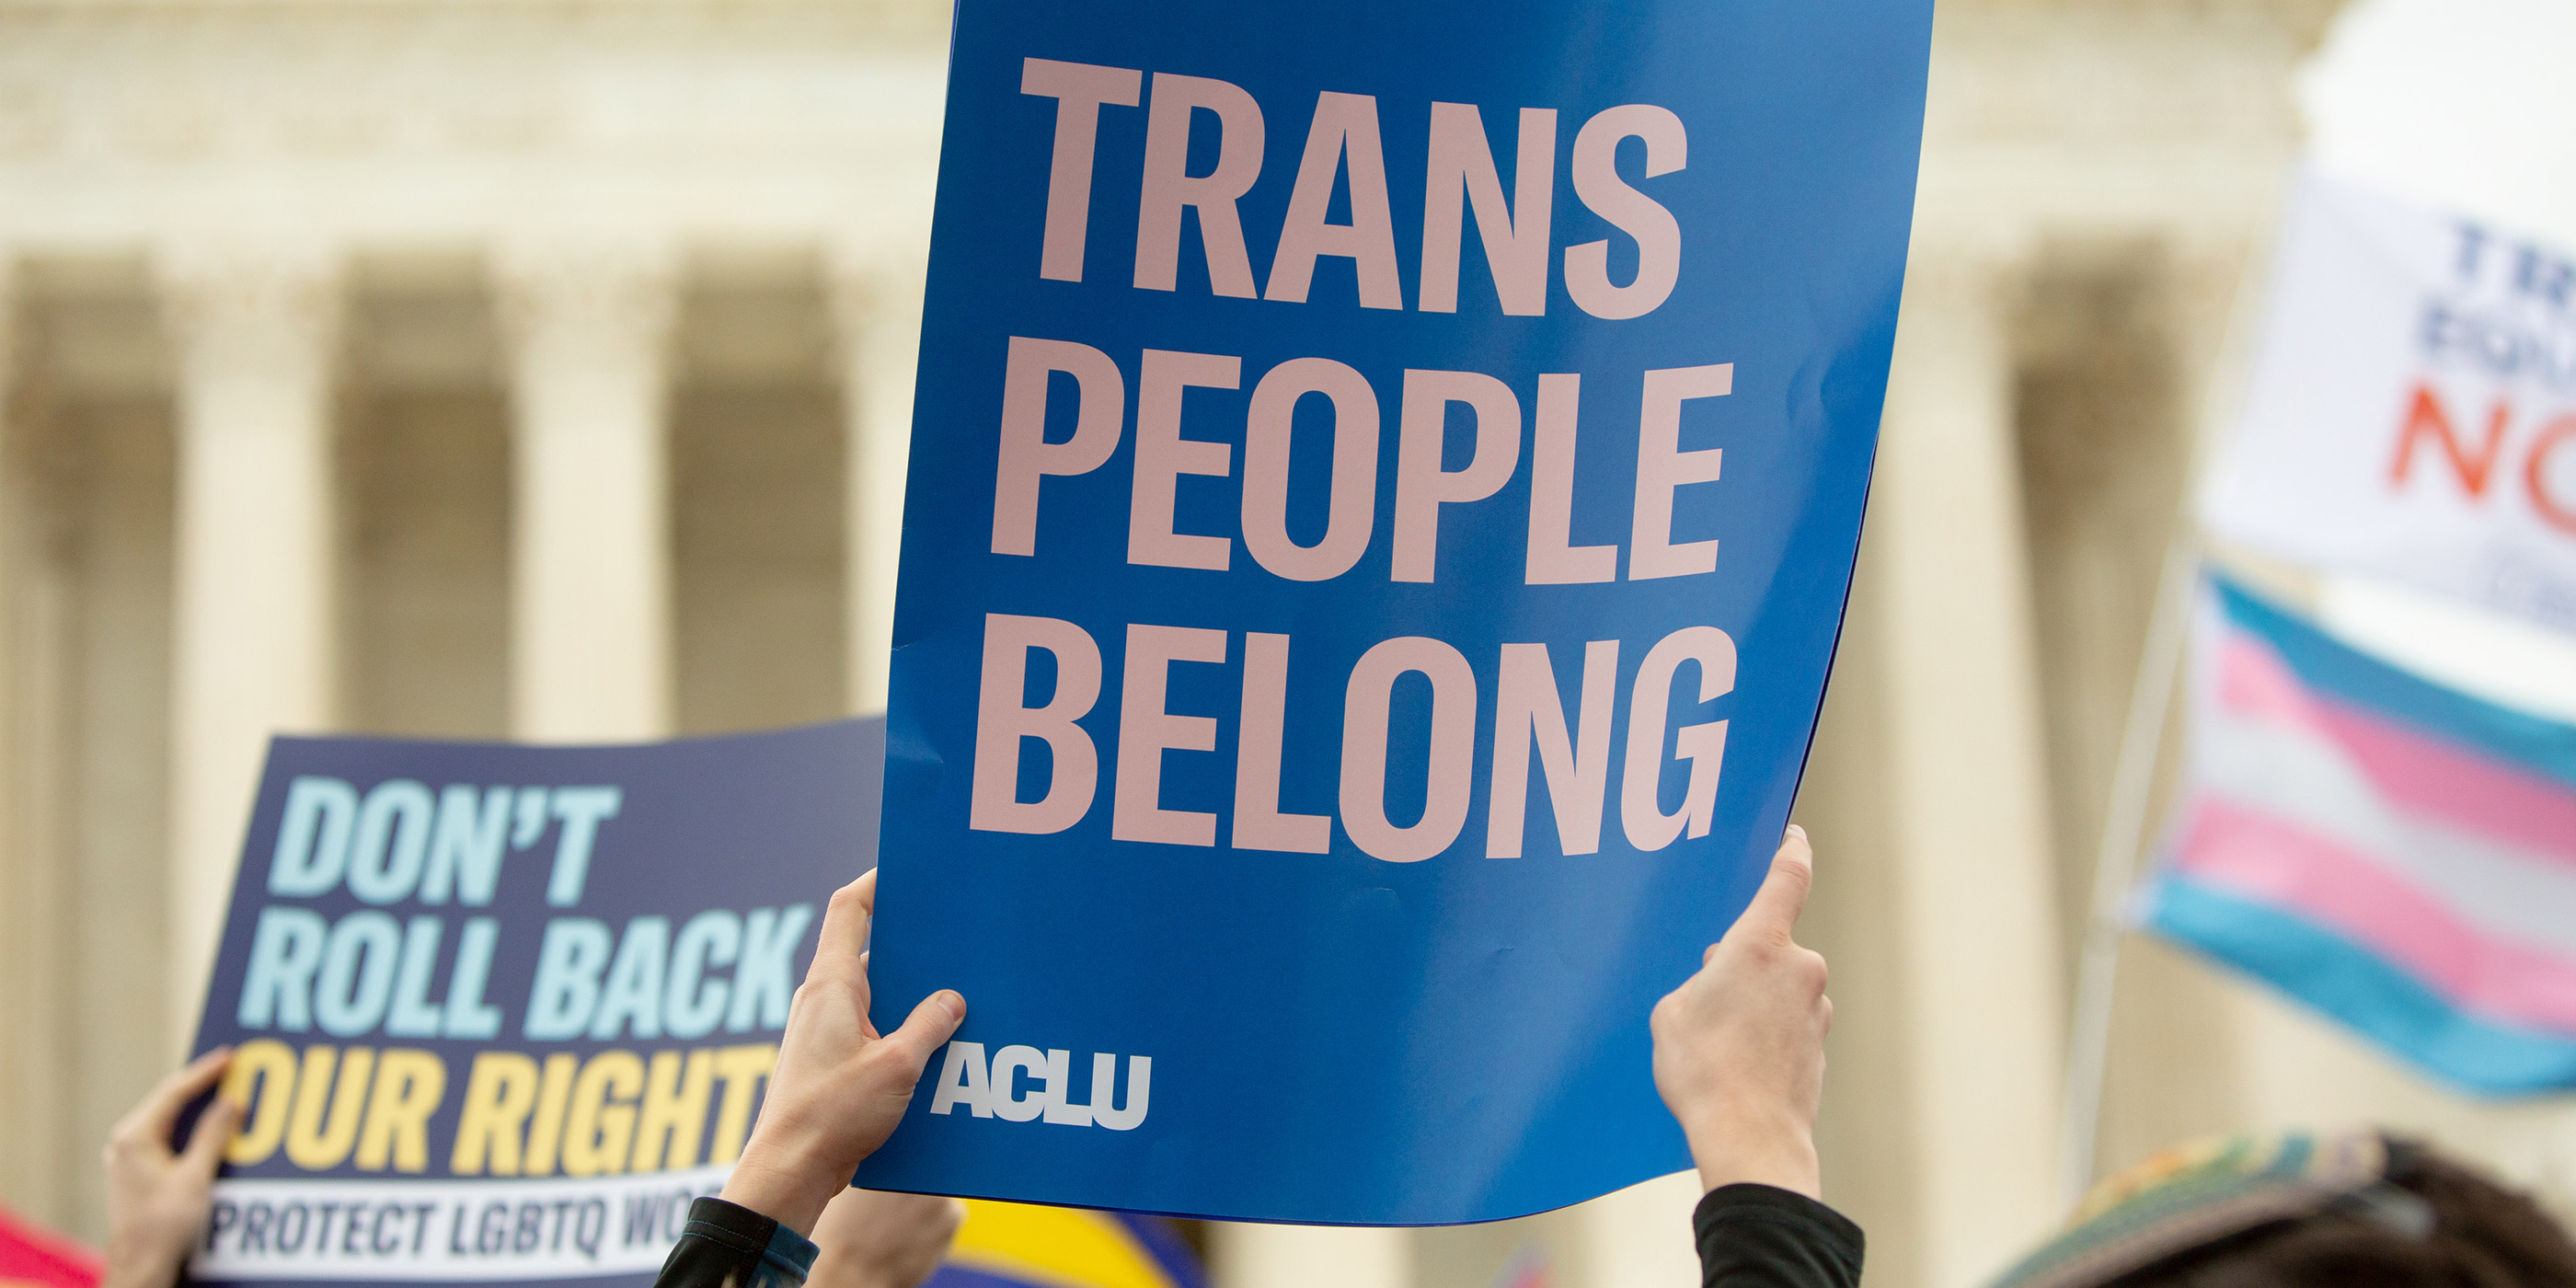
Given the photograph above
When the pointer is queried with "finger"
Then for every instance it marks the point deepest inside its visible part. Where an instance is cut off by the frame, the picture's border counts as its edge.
(867, 997)
(1783, 895)
(926, 1030)
(867, 884)
(845, 930)
(214, 1130)
(159, 1111)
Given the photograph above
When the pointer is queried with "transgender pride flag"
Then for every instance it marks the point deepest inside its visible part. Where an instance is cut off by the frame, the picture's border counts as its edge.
(2397, 854)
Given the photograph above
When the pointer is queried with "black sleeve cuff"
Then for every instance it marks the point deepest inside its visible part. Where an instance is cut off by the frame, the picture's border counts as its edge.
(727, 1245)
(1760, 1236)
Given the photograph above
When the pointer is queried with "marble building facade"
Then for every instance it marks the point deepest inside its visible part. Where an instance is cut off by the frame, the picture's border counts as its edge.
(541, 369)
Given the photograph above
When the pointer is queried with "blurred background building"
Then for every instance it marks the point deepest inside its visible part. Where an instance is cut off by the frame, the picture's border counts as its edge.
(540, 368)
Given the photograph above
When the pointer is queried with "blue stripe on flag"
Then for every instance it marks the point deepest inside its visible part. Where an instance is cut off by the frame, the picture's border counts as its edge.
(2353, 985)
(2330, 666)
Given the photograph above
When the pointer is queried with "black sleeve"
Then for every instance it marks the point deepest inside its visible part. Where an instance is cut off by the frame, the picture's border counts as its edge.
(726, 1245)
(1756, 1236)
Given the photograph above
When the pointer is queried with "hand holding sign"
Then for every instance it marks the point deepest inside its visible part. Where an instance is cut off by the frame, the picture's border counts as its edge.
(501, 1014)
(1740, 1046)
(1343, 671)
(840, 1087)
(156, 1198)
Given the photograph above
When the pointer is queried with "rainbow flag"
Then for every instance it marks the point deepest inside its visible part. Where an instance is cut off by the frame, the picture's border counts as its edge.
(34, 1257)
(2397, 854)
(1020, 1245)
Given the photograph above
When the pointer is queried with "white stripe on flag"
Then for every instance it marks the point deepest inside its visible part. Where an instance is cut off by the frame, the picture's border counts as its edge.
(2300, 779)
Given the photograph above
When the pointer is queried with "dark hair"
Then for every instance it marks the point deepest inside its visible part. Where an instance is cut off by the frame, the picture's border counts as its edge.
(2480, 1235)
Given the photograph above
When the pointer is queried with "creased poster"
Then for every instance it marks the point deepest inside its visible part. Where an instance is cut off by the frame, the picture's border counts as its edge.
(1384, 481)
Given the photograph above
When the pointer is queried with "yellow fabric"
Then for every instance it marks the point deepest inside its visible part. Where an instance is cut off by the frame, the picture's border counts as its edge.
(1054, 1247)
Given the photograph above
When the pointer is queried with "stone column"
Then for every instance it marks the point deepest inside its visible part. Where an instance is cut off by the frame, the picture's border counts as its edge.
(589, 328)
(876, 305)
(1309, 1256)
(32, 991)
(254, 622)
(2177, 1047)
(1965, 800)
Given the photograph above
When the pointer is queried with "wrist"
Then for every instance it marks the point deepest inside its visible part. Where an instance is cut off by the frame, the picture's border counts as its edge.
(1774, 1150)
(135, 1261)
(785, 1188)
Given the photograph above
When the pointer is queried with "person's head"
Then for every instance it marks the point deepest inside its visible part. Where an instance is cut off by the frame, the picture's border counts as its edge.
(2360, 1210)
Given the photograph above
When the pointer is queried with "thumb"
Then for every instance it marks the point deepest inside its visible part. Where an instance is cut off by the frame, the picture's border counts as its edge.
(926, 1030)
(214, 1131)
(1783, 895)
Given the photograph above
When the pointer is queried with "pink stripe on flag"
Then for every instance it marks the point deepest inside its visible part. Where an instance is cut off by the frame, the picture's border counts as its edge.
(2417, 772)
(2242, 852)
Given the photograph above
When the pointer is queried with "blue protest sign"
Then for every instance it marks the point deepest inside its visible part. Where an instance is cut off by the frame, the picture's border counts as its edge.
(1384, 481)
(500, 1012)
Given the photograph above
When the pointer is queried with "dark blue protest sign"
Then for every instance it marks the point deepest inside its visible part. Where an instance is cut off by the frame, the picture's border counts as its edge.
(500, 1012)
(1384, 481)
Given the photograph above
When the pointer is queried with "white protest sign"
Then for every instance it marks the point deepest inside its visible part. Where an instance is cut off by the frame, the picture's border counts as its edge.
(2412, 411)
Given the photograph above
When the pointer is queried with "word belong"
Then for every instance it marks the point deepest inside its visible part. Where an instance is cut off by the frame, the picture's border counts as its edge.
(1529, 712)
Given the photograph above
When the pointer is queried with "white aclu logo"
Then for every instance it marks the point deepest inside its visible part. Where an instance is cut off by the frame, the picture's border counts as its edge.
(995, 1090)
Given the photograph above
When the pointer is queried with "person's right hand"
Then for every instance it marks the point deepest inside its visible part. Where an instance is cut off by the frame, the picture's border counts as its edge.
(840, 1086)
(157, 1200)
(880, 1239)
(1740, 1046)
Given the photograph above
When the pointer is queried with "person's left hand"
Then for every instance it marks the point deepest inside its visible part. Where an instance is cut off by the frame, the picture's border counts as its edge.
(878, 1239)
(157, 1200)
(839, 1088)
(1740, 1046)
